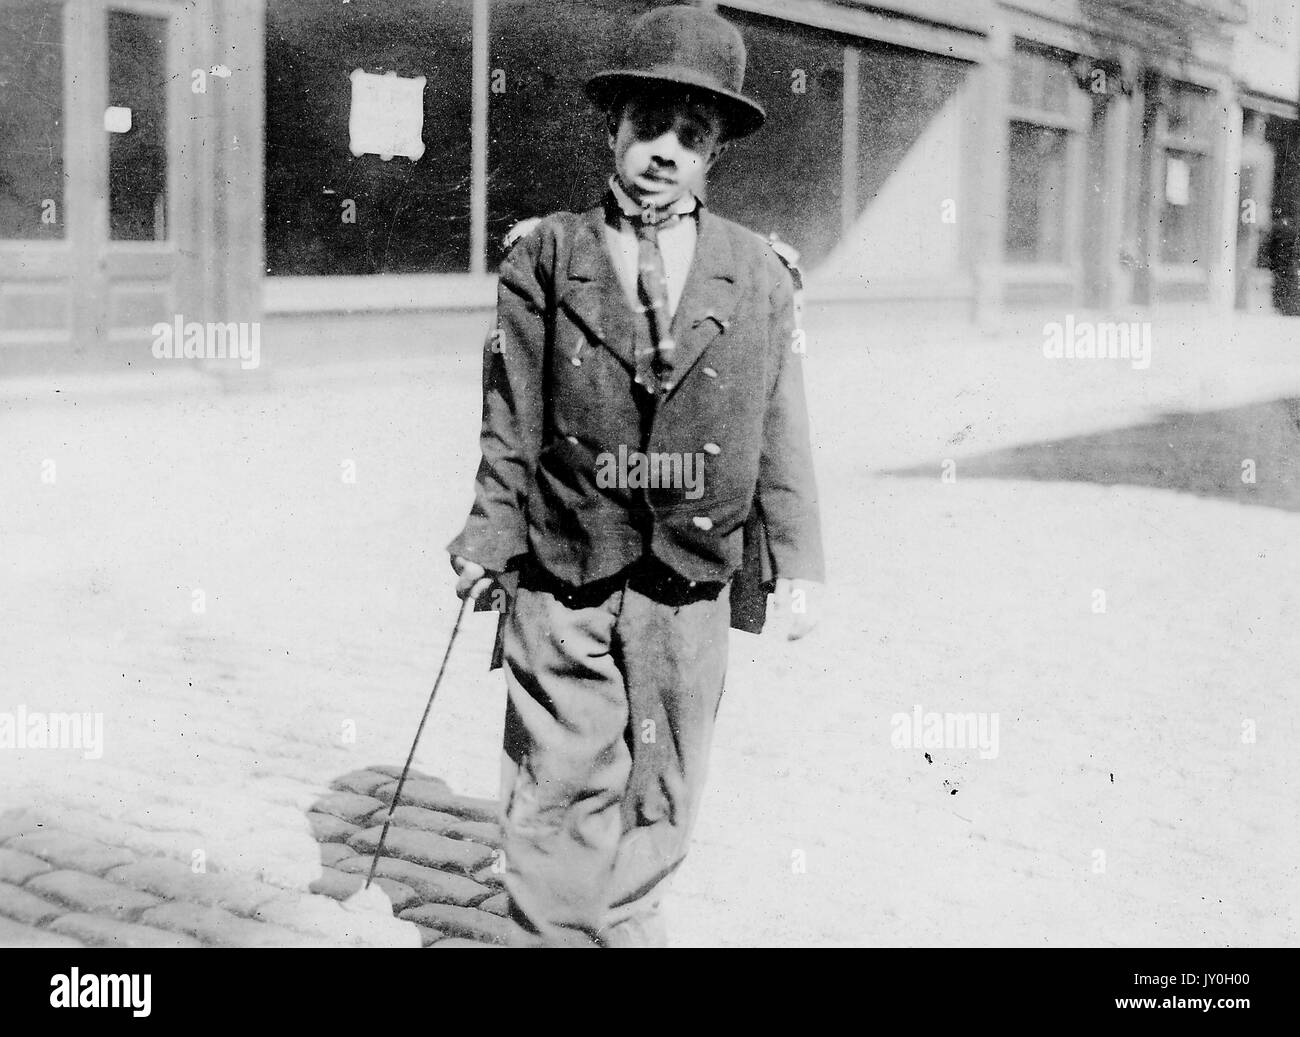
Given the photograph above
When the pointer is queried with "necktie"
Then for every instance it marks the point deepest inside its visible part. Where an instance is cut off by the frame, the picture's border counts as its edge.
(652, 287)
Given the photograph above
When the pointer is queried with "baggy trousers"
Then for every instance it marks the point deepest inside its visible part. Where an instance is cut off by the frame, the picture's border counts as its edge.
(613, 691)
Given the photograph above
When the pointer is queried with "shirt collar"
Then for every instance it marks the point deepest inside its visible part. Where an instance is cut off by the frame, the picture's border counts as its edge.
(684, 206)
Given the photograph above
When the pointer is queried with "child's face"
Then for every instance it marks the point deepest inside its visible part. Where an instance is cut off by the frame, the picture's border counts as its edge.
(664, 146)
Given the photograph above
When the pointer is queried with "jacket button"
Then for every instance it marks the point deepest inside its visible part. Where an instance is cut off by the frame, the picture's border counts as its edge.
(702, 522)
(576, 362)
(572, 439)
(710, 372)
(712, 448)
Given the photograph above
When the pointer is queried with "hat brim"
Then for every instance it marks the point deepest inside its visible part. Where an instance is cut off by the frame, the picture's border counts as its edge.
(741, 114)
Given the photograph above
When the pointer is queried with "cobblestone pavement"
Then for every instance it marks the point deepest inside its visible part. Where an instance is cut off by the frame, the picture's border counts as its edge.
(250, 590)
(71, 878)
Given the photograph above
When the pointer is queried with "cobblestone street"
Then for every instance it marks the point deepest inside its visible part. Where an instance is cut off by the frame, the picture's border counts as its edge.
(250, 587)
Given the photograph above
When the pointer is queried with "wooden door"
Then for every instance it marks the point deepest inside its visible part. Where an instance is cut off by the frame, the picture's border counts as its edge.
(94, 280)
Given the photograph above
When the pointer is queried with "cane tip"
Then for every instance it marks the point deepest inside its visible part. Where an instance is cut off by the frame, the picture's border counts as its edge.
(369, 900)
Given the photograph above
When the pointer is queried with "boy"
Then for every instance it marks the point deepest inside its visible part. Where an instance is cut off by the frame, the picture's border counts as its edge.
(646, 466)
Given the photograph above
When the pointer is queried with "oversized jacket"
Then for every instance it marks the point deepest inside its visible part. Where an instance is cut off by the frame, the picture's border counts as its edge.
(560, 398)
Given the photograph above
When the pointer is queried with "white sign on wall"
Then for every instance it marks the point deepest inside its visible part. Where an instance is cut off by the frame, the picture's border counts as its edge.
(387, 116)
(117, 119)
(1178, 182)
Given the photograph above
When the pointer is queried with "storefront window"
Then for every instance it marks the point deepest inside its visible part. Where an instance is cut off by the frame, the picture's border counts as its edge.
(1187, 187)
(332, 211)
(787, 178)
(329, 211)
(900, 94)
(1036, 194)
(547, 147)
(31, 120)
(1043, 123)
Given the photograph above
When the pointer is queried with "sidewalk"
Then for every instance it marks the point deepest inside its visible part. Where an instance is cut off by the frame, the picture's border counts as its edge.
(251, 587)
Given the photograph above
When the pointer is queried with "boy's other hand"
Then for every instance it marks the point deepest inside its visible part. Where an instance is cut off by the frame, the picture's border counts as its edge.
(474, 579)
(801, 601)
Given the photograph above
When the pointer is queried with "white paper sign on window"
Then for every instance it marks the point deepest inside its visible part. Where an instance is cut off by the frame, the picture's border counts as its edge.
(387, 115)
(1178, 182)
(117, 119)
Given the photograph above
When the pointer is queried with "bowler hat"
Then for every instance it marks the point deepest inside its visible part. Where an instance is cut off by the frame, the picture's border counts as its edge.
(688, 47)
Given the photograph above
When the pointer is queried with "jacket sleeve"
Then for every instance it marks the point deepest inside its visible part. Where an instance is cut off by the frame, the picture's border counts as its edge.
(786, 501)
(513, 366)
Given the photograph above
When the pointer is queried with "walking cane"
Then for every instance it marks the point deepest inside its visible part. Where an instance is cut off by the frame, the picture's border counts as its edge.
(363, 898)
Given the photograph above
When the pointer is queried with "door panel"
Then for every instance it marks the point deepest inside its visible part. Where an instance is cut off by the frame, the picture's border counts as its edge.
(92, 98)
(36, 247)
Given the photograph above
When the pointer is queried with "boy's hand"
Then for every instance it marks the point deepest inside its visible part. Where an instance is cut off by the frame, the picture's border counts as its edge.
(474, 579)
(801, 600)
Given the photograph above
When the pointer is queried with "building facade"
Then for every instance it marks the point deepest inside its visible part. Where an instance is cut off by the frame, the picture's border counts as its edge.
(282, 160)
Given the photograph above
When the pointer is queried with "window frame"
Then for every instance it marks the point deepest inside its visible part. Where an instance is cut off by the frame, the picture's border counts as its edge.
(1073, 122)
(1204, 144)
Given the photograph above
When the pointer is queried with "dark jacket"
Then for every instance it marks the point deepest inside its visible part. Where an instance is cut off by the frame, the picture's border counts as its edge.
(736, 400)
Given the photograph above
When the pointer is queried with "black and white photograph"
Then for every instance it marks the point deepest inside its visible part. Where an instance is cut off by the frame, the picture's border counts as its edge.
(789, 474)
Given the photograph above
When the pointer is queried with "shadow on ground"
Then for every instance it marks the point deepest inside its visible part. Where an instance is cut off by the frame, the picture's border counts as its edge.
(1249, 454)
(441, 862)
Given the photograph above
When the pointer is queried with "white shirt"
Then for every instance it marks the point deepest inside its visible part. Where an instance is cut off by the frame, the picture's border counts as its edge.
(676, 244)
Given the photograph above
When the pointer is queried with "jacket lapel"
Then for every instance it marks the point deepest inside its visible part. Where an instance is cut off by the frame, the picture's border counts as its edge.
(709, 298)
(592, 292)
